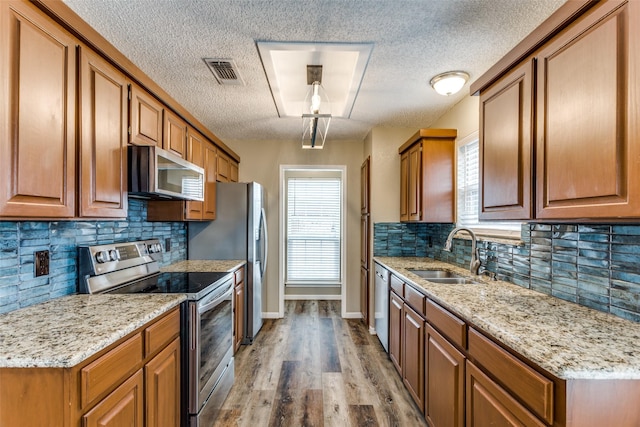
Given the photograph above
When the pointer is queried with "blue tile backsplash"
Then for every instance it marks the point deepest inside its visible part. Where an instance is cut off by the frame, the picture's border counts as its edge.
(20, 239)
(597, 266)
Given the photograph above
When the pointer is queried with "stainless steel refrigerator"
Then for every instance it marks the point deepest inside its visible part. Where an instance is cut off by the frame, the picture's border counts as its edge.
(238, 232)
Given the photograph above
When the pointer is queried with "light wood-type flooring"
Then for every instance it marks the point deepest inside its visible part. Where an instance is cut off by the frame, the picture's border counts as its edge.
(313, 368)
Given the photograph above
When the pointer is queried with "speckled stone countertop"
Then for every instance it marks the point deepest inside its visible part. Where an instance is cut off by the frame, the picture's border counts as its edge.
(196, 266)
(568, 340)
(65, 331)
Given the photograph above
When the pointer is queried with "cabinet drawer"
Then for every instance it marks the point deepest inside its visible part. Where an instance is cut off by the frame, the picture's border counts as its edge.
(107, 371)
(162, 332)
(124, 406)
(533, 389)
(448, 324)
(239, 275)
(415, 299)
(397, 285)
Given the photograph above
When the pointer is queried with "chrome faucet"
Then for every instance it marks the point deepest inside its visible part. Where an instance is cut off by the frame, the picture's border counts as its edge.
(474, 265)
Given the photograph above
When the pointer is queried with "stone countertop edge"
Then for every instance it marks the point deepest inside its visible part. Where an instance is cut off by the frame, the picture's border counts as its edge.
(63, 332)
(199, 266)
(568, 340)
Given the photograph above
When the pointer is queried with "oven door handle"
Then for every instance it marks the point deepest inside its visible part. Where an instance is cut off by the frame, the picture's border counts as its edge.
(210, 304)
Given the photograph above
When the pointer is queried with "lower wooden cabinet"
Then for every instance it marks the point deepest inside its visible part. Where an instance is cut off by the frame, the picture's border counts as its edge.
(444, 381)
(395, 330)
(413, 354)
(162, 387)
(239, 309)
(490, 405)
(123, 407)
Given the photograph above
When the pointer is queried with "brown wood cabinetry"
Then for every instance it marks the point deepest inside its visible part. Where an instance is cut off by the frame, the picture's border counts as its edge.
(395, 330)
(195, 154)
(427, 176)
(227, 168)
(37, 114)
(365, 239)
(174, 138)
(413, 354)
(364, 294)
(506, 146)
(239, 308)
(210, 171)
(145, 118)
(584, 117)
(103, 138)
(134, 379)
(444, 381)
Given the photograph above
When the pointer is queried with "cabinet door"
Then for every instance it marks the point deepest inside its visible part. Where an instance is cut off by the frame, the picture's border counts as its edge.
(444, 381)
(404, 186)
(414, 191)
(233, 171)
(364, 186)
(490, 405)
(210, 168)
(223, 166)
(146, 118)
(395, 331)
(364, 295)
(239, 315)
(175, 134)
(37, 115)
(123, 407)
(588, 126)
(413, 355)
(103, 138)
(195, 154)
(506, 143)
(162, 387)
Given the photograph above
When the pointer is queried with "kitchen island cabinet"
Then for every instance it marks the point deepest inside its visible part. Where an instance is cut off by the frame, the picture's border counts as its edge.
(53, 368)
(498, 353)
(427, 176)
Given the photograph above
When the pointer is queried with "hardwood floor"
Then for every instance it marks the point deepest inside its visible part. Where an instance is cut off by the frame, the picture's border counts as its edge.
(313, 368)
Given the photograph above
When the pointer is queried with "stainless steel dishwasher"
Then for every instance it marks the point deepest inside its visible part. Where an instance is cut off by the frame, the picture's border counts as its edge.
(382, 305)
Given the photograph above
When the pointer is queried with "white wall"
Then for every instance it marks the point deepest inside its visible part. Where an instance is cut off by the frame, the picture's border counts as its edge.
(464, 116)
(261, 160)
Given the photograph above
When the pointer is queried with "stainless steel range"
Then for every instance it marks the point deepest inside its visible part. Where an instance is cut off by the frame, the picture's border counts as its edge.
(207, 316)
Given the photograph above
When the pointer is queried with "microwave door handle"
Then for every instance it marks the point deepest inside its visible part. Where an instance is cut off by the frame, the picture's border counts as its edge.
(265, 252)
(209, 305)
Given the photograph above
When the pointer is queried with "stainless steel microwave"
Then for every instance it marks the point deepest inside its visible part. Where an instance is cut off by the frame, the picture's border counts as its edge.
(155, 173)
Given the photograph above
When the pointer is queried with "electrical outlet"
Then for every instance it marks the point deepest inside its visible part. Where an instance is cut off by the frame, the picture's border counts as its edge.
(167, 244)
(41, 263)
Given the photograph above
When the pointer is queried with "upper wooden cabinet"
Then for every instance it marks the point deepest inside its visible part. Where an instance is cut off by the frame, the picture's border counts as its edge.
(175, 134)
(37, 118)
(506, 144)
(427, 176)
(195, 154)
(227, 168)
(584, 117)
(103, 138)
(146, 118)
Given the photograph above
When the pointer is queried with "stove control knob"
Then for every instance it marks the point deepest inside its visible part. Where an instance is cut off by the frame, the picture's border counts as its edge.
(114, 255)
(102, 256)
(158, 247)
(155, 248)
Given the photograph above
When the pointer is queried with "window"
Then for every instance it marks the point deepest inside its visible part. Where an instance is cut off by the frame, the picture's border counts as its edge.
(313, 226)
(468, 193)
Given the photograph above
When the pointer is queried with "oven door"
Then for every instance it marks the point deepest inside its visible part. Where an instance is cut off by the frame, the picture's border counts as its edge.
(210, 343)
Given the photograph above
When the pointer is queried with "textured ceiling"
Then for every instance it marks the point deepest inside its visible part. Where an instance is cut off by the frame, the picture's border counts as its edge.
(413, 41)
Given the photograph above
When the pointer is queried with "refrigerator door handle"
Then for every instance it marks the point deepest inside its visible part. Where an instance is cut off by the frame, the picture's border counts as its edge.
(263, 222)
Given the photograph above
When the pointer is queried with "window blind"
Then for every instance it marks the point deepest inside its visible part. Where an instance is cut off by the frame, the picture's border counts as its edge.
(313, 230)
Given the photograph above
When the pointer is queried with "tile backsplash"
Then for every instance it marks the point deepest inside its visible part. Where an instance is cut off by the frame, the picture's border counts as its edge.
(597, 266)
(20, 239)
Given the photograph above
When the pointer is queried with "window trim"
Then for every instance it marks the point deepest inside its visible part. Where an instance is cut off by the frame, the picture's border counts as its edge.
(485, 228)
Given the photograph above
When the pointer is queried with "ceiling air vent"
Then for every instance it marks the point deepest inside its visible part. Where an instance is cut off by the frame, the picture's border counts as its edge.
(224, 70)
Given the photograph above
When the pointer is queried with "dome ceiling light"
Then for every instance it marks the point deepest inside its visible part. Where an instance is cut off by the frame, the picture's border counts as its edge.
(449, 83)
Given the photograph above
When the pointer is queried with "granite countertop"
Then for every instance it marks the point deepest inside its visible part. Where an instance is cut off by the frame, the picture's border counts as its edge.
(63, 332)
(197, 266)
(568, 340)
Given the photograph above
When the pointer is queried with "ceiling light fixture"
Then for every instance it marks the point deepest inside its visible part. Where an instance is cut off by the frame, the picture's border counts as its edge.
(315, 123)
(449, 83)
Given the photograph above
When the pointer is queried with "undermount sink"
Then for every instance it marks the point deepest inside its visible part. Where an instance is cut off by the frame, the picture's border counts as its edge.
(443, 276)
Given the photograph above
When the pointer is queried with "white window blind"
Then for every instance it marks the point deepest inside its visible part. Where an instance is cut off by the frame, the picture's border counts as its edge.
(468, 194)
(313, 231)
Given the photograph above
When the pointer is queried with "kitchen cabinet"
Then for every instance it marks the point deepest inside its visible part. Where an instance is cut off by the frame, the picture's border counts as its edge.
(413, 354)
(427, 176)
(583, 64)
(234, 170)
(395, 330)
(133, 379)
(38, 114)
(444, 381)
(195, 154)
(239, 308)
(210, 168)
(103, 137)
(364, 295)
(175, 134)
(365, 240)
(227, 168)
(506, 146)
(145, 118)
